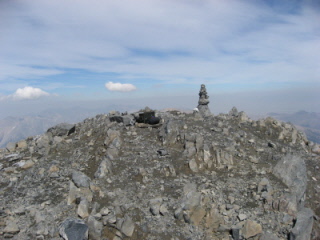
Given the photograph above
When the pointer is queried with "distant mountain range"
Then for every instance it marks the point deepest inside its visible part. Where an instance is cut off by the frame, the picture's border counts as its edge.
(13, 129)
(309, 122)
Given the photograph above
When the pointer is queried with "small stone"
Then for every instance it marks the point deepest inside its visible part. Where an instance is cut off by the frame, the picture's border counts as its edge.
(83, 208)
(251, 229)
(11, 227)
(95, 228)
(193, 165)
(155, 206)
(163, 209)
(104, 211)
(72, 229)
(53, 168)
(80, 179)
(231, 199)
(127, 227)
(27, 164)
(242, 216)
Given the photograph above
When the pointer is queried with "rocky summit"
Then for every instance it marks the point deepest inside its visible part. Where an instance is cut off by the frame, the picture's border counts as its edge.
(162, 175)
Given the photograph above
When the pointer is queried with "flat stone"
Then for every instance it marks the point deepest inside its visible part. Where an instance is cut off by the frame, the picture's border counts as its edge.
(27, 164)
(242, 216)
(11, 227)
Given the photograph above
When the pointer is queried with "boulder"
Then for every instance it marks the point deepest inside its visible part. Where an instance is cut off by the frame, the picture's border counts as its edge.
(11, 147)
(291, 169)
(83, 208)
(303, 226)
(95, 228)
(62, 129)
(127, 227)
(80, 179)
(127, 120)
(73, 229)
(103, 169)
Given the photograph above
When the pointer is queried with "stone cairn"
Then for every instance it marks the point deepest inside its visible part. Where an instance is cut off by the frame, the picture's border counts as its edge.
(203, 102)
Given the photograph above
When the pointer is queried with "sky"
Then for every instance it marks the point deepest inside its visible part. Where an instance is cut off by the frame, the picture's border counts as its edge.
(259, 56)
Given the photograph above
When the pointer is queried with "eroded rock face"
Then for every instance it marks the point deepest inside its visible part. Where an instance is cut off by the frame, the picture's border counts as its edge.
(227, 177)
(291, 169)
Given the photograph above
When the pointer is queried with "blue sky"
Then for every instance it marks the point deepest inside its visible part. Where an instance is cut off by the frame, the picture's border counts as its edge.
(66, 49)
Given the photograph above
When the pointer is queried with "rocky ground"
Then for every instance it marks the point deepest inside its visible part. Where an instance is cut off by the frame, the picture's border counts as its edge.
(188, 177)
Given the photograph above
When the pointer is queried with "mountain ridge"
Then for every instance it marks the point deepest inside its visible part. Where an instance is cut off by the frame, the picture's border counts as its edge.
(188, 177)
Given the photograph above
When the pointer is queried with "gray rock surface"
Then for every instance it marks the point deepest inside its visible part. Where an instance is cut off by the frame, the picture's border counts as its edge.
(80, 179)
(62, 129)
(303, 226)
(215, 177)
(291, 169)
(73, 229)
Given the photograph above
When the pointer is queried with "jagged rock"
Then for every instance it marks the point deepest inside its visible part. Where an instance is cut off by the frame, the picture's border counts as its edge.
(62, 129)
(95, 228)
(73, 229)
(155, 205)
(127, 227)
(303, 226)
(83, 208)
(103, 169)
(80, 179)
(251, 229)
(169, 132)
(291, 170)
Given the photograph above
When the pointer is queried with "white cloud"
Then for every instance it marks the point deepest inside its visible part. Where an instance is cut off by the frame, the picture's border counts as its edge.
(120, 87)
(29, 93)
